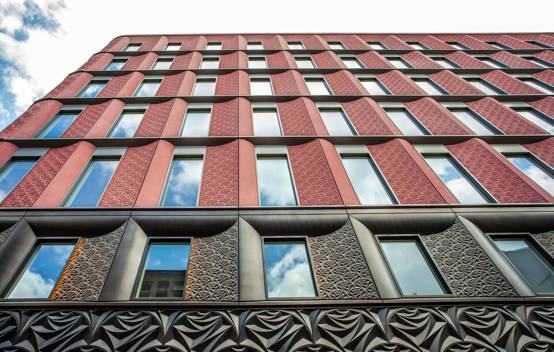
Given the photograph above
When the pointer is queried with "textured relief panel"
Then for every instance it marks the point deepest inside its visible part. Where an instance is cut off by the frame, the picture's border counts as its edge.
(547, 55)
(31, 120)
(227, 84)
(225, 118)
(466, 40)
(154, 119)
(284, 84)
(134, 62)
(171, 85)
(368, 118)
(543, 150)
(86, 270)
(398, 84)
(115, 85)
(97, 62)
(437, 328)
(343, 83)
(125, 185)
(5, 234)
(310, 41)
(36, 180)
(350, 41)
(512, 60)
(277, 60)
(295, 119)
(418, 60)
(546, 76)
(507, 83)
(220, 177)
(70, 85)
(454, 84)
(86, 119)
(507, 40)
(340, 269)
(213, 273)
(436, 118)
(546, 105)
(229, 60)
(372, 59)
(545, 239)
(326, 59)
(181, 62)
(434, 43)
(466, 61)
(464, 265)
(116, 44)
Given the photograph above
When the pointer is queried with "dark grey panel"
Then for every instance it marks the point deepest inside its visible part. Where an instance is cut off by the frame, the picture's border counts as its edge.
(5, 234)
(184, 225)
(534, 221)
(406, 222)
(546, 240)
(295, 224)
(14, 252)
(75, 223)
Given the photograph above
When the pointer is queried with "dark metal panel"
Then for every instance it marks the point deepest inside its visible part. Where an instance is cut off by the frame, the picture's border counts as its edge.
(14, 252)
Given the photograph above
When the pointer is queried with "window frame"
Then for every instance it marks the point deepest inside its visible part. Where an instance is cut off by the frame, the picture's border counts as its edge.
(321, 107)
(420, 45)
(444, 58)
(208, 43)
(173, 44)
(443, 91)
(92, 80)
(498, 45)
(180, 153)
(267, 107)
(538, 61)
(458, 107)
(260, 78)
(362, 78)
(126, 109)
(380, 44)
(400, 107)
(163, 59)
(486, 59)
(458, 46)
(524, 152)
(15, 158)
(305, 58)
(209, 58)
(204, 78)
(539, 44)
(330, 44)
(306, 78)
(65, 110)
(196, 107)
(257, 58)
(276, 152)
(354, 58)
(398, 58)
(538, 82)
(257, 42)
(295, 42)
(134, 45)
(516, 107)
(148, 79)
(470, 78)
(125, 60)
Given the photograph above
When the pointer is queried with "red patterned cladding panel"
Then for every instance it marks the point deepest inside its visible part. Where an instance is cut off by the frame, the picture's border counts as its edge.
(512, 60)
(155, 119)
(295, 119)
(466, 61)
(507, 83)
(171, 85)
(397, 83)
(434, 43)
(544, 150)
(97, 62)
(310, 41)
(512, 42)
(418, 60)
(220, 178)
(546, 105)
(454, 84)
(277, 60)
(546, 76)
(547, 55)
(182, 62)
(350, 41)
(227, 84)
(32, 120)
(343, 83)
(436, 118)
(372, 59)
(86, 119)
(469, 41)
(117, 44)
(225, 118)
(115, 85)
(71, 85)
(327, 59)
(285, 84)
(368, 118)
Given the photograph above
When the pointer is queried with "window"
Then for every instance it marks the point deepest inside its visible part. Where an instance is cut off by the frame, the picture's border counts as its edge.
(351, 62)
(41, 272)
(456, 179)
(484, 86)
(287, 269)
(458, 46)
(183, 183)
(533, 266)
(492, 62)
(539, 61)
(406, 122)
(197, 122)
(275, 185)
(336, 122)
(538, 85)
(373, 86)
(12, 173)
(254, 46)
(257, 62)
(444, 62)
(59, 124)
(148, 88)
(536, 117)
(266, 122)
(210, 62)
(376, 46)
(366, 179)
(116, 64)
(173, 47)
(539, 44)
(93, 88)
(317, 86)
(133, 47)
(534, 170)
(214, 46)
(295, 45)
(91, 186)
(127, 124)
(336, 45)
(165, 270)
(398, 62)
(429, 86)
(260, 86)
(204, 86)
(163, 63)
(474, 122)
(304, 62)
(498, 45)
(417, 46)
(411, 267)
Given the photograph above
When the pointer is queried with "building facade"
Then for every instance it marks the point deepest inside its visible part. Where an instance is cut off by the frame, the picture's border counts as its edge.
(285, 192)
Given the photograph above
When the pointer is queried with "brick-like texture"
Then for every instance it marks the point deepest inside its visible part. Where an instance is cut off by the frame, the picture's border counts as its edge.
(220, 177)
(418, 60)
(327, 59)
(399, 84)
(547, 55)
(71, 85)
(506, 119)
(117, 44)
(310, 41)
(313, 178)
(32, 120)
(127, 180)
(372, 59)
(154, 119)
(229, 60)
(277, 60)
(546, 105)
(434, 43)
(86, 120)
(405, 176)
(136, 62)
(436, 118)
(512, 60)
(507, 83)
(182, 62)
(454, 84)
(343, 83)
(368, 118)
(225, 118)
(390, 41)
(295, 119)
(285, 83)
(510, 41)
(466, 61)
(467, 40)
(498, 178)
(544, 150)
(269, 42)
(7, 149)
(227, 84)
(350, 41)
(34, 183)
(547, 76)
(97, 62)
(174, 85)
(122, 85)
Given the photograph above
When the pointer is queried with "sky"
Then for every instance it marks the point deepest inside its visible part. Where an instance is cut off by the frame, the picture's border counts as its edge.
(42, 41)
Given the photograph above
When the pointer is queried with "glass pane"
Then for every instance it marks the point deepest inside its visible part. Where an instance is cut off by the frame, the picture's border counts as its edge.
(295, 46)
(352, 63)
(399, 63)
(336, 45)
(405, 122)
(445, 63)
(92, 89)
(42, 271)
(214, 46)
(484, 87)
(12, 174)
(183, 182)
(410, 268)
(254, 46)
(92, 185)
(368, 185)
(204, 87)
(336, 123)
(173, 46)
(373, 87)
(537, 118)
(454, 180)
(287, 270)
(260, 86)
(498, 45)
(538, 86)
(133, 47)
(317, 86)
(210, 63)
(534, 171)
(255, 62)
(491, 62)
(275, 181)
(376, 46)
(197, 123)
(165, 270)
(473, 122)
(417, 46)
(59, 124)
(148, 89)
(116, 65)
(163, 64)
(457, 45)
(127, 124)
(538, 272)
(429, 86)
(539, 62)
(304, 62)
(266, 123)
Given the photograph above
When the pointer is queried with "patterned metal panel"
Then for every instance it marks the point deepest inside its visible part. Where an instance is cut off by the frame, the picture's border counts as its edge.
(5, 234)
(545, 239)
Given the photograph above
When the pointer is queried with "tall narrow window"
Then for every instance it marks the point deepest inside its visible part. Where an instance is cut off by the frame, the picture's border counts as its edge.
(304, 62)
(91, 186)
(376, 46)
(173, 47)
(492, 62)
(455, 179)
(474, 122)
(398, 62)
(266, 122)
(373, 86)
(459, 46)
(127, 124)
(148, 88)
(498, 45)
(411, 267)
(133, 47)
(183, 182)
(534, 171)
(444, 62)
(484, 86)
(406, 122)
(429, 86)
(336, 45)
(351, 62)
(336, 122)
(295, 45)
(417, 46)
(197, 122)
(163, 63)
(214, 46)
(275, 181)
(533, 266)
(260, 86)
(538, 85)
(210, 62)
(288, 272)
(370, 187)
(538, 118)
(317, 86)
(165, 270)
(257, 62)
(116, 64)
(93, 88)
(42, 270)
(12, 173)
(204, 86)
(59, 124)
(254, 46)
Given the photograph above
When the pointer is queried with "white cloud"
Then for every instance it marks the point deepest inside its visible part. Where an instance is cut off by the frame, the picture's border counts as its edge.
(32, 285)
(290, 276)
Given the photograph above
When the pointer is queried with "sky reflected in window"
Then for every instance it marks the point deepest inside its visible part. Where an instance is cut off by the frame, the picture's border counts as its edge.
(183, 182)
(534, 171)
(127, 124)
(163, 64)
(304, 62)
(148, 88)
(92, 185)
(204, 86)
(275, 181)
(336, 122)
(317, 86)
(537, 118)
(210, 63)
(266, 122)
(12, 174)
(369, 187)
(473, 122)
(197, 123)
(373, 86)
(59, 125)
(92, 89)
(116, 64)
(260, 86)
(351, 62)
(405, 122)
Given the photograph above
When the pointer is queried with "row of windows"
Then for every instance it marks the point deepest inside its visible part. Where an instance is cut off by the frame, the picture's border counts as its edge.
(266, 120)
(287, 267)
(336, 45)
(275, 179)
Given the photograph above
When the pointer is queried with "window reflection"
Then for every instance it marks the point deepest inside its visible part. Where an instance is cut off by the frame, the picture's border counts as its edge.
(373, 86)
(534, 171)
(93, 88)
(148, 88)
(304, 62)
(210, 63)
(204, 86)
(116, 64)
(275, 181)
(260, 86)
(91, 186)
(127, 124)
(197, 123)
(473, 122)
(266, 122)
(336, 122)
(12, 173)
(536, 117)
(406, 122)
(369, 186)
(317, 86)
(183, 182)
(59, 124)
(256, 62)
